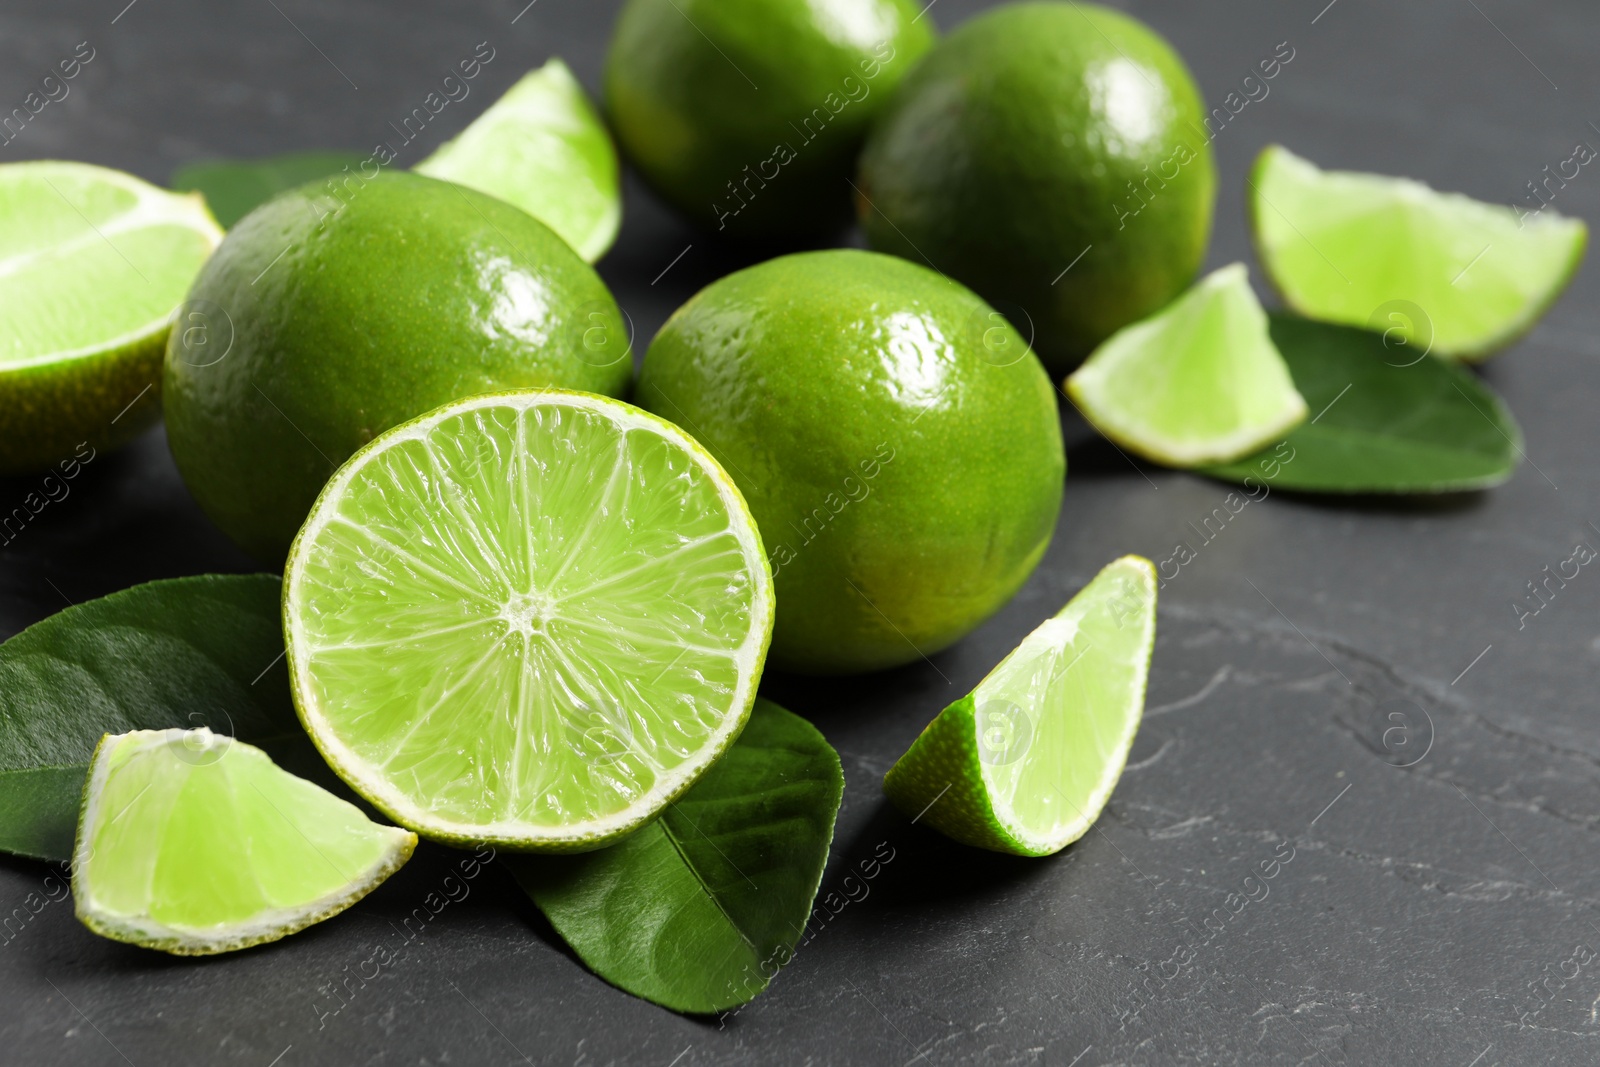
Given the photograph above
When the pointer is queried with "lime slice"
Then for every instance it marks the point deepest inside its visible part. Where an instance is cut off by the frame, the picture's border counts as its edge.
(1197, 382)
(531, 619)
(92, 264)
(194, 843)
(1453, 275)
(1025, 762)
(542, 147)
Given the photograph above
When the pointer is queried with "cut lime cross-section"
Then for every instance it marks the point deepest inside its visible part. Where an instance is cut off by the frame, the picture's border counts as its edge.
(1454, 276)
(1026, 761)
(195, 843)
(542, 147)
(531, 619)
(1197, 382)
(93, 263)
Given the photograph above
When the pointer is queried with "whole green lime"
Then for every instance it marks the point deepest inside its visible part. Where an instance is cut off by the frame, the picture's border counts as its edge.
(336, 311)
(1054, 157)
(747, 115)
(898, 444)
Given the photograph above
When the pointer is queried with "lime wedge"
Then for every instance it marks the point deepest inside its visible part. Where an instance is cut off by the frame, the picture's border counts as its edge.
(1025, 762)
(542, 147)
(1452, 275)
(531, 619)
(1198, 382)
(194, 843)
(92, 264)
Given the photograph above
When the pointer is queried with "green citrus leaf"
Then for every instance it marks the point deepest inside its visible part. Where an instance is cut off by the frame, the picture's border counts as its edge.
(234, 187)
(1385, 418)
(183, 652)
(698, 910)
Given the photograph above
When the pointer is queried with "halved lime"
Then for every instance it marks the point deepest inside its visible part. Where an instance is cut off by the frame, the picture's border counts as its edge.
(543, 147)
(531, 619)
(1198, 382)
(92, 264)
(1393, 254)
(1025, 762)
(194, 843)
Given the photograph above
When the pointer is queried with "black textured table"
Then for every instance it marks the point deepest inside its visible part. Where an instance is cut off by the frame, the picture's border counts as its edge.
(1343, 693)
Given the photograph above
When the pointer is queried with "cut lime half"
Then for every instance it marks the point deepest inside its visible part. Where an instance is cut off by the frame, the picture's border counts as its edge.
(93, 262)
(1026, 761)
(194, 843)
(1455, 276)
(542, 147)
(1198, 382)
(531, 619)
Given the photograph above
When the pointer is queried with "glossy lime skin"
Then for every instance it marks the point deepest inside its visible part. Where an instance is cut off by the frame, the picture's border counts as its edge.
(899, 447)
(1032, 133)
(64, 412)
(335, 324)
(747, 115)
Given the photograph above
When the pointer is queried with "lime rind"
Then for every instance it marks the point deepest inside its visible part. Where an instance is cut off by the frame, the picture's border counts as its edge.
(941, 771)
(1025, 763)
(177, 761)
(695, 753)
(1198, 382)
(543, 147)
(1460, 278)
(150, 208)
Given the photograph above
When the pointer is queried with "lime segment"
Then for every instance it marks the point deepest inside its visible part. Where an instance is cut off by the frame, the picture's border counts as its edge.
(1457, 276)
(542, 147)
(531, 619)
(195, 843)
(1027, 760)
(93, 263)
(1198, 382)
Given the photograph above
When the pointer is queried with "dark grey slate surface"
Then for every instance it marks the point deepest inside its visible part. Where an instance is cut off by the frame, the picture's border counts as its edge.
(1419, 905)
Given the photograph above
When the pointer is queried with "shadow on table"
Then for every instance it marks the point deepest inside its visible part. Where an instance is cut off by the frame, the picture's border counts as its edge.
(918, 867)
(1095, 458)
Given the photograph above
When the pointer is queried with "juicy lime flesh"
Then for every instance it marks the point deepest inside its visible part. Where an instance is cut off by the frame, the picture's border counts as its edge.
(521, 617)
(1198, 382)
(542, 147)
(200, 837)
(1366, 250)
(1078, 685)
(90, 257)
